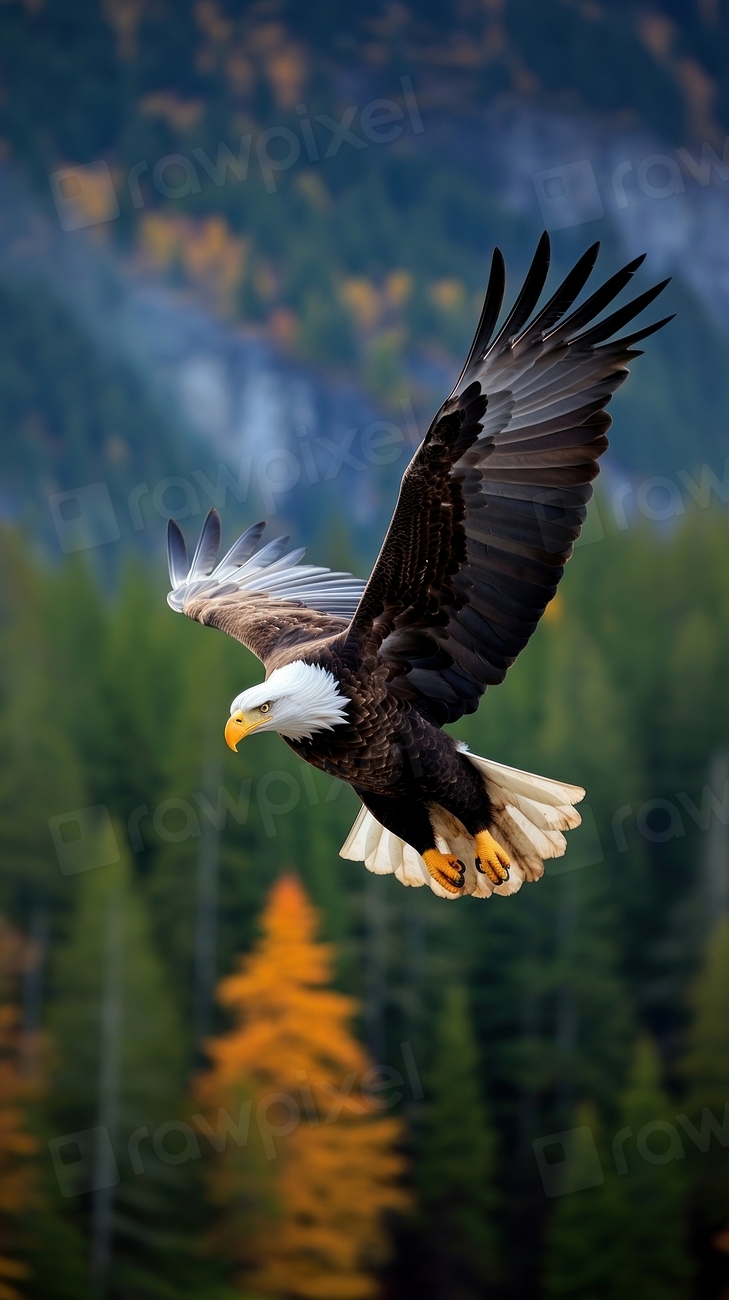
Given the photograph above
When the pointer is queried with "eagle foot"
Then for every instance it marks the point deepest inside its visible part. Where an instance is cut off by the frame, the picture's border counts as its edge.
(447, 870)
(491, 859)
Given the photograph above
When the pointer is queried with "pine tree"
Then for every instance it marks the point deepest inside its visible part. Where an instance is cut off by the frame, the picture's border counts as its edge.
(706, 1070)
(706, 1064)
(39, 775)
(626, 1236)
(309, 1222)
(581, 1245)
(120, 1065)
(548, 996)
(456, 1165)
(647, 1204)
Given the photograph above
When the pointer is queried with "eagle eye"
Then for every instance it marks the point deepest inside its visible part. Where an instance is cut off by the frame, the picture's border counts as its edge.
(264, 708)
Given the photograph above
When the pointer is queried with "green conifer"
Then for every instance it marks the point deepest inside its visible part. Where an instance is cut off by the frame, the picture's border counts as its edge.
(456, 1166)
(646, 1195)
(118, 1049)
(581, 1245)
(706, 1069)
(626, 1236)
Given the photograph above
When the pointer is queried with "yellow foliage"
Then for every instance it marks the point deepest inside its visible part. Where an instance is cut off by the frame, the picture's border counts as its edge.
(249, 50)
(372, 307)
(360, 296)
(211, 257)
(180, 114)
(286, 69)
(398, 287)
(209, 18)
(554, 610)
(335, 1173)
(89, 191)
(284, 326)
(159, 240)
(448, 294)
(124, 16)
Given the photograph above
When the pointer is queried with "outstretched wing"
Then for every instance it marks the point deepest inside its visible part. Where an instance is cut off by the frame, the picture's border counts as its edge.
(495, 497)
(263, 597)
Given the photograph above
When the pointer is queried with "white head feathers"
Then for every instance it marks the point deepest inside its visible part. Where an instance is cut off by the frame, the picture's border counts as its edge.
(304, 698)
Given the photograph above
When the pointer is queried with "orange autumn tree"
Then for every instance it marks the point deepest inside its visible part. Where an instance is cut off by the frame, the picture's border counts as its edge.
(314, 1226)
(17, 1147)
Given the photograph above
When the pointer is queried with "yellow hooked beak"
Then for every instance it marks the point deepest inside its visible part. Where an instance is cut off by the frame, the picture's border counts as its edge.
(238, 726)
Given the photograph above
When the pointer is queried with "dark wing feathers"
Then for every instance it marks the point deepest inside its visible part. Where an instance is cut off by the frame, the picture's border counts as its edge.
(598, 300)
(563, 298)
(601, 332)
(177, 558)
(528, 295)
(488, 513)
(494, 499)
(491, 309)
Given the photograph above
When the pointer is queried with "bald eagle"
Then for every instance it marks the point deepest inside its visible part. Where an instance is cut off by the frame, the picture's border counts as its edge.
(361, 677)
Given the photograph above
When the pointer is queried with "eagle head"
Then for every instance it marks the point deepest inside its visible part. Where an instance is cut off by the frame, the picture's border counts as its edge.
(295, 701)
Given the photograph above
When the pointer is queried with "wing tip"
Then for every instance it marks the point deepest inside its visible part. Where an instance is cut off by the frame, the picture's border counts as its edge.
(265, 570)
(177, 557)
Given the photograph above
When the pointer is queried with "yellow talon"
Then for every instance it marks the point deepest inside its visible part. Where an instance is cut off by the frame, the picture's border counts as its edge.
(491, 858)
(447, 870)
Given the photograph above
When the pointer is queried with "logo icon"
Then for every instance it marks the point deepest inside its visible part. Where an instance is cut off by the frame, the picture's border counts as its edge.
(568, 1161)
(84, 196)
(568, 195)
(84, 839)
(84, 1161)
(84, 518)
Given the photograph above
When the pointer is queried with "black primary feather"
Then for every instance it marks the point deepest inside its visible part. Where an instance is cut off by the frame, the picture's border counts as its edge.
(495, 498)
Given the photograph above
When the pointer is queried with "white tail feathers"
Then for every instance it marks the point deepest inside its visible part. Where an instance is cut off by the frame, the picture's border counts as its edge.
(529, 815)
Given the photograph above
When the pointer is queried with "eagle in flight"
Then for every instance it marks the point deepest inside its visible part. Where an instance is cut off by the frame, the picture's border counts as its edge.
(361, 677)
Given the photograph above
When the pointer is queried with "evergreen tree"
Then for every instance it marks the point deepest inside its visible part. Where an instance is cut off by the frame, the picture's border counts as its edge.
(551, 1006)
(119, 1066)
(581, 1245)
(628, 1235)
(706, 1065)
(706, 1070)
(647, 1204)
(310, 1223)
(455, 1170)
(560, 946)
(40, 776)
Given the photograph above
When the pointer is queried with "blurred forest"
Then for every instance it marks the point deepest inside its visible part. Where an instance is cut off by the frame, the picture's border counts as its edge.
(603, 987)
(231, 1063)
